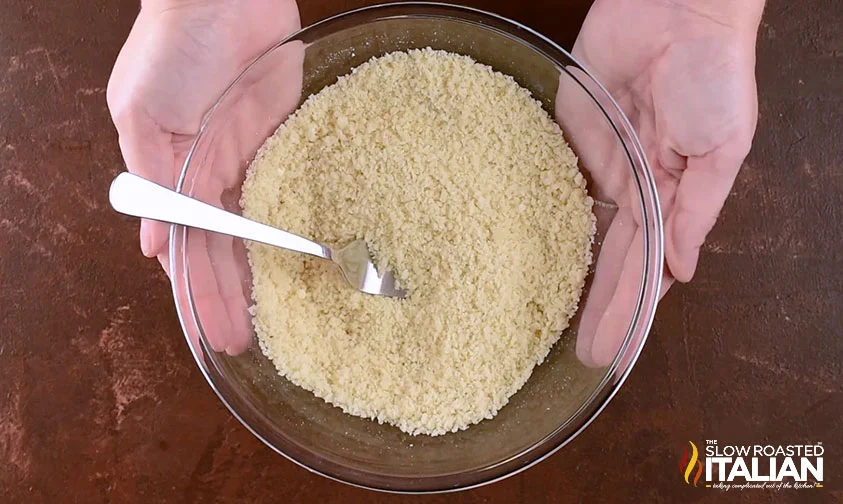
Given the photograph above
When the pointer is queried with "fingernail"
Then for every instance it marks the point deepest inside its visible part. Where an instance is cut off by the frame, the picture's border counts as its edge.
(605, 349)
(686, 251)
(583, 352)
(689, 261)
(145, 238)
(683, 232)
(164, 260)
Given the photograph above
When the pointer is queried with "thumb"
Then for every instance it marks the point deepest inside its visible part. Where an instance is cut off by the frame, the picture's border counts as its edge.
(702, 191)
(148, 152)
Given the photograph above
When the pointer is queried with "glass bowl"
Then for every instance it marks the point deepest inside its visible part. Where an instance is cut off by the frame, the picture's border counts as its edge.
(211, 279)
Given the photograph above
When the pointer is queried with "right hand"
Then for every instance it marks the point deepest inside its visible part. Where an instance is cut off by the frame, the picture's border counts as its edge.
(179, 58)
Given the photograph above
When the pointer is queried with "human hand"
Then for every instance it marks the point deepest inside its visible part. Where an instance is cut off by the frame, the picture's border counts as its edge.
(176, 63)
(683, 71)
(178, 59)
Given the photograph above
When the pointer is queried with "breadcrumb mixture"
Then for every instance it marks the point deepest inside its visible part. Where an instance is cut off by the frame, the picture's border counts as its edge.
(463, 186)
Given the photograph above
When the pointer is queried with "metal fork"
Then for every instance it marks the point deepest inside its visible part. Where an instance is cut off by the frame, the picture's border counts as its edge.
(133, 195)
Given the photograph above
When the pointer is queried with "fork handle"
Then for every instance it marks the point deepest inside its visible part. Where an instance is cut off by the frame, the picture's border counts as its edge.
(133, 195)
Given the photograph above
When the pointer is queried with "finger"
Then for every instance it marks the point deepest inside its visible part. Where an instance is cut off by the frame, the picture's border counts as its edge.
(617, 315)
(153, 237)
(219, 280)
(148, 152)
(611, 299)
(231, 270)
(611, 302)
(700, 196)
(616, 318)
(623, 365)
(610, 261)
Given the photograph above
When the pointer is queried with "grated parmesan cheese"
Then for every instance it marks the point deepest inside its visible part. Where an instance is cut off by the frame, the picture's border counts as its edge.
(462, 185)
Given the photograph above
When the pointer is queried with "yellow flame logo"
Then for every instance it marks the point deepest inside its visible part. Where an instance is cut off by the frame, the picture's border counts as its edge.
(689, 463)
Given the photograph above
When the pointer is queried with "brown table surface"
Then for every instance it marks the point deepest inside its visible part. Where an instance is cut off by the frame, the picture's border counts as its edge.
(100, 400)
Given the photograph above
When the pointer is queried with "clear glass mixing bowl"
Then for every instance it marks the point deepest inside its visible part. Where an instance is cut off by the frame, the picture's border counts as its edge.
(211, 282)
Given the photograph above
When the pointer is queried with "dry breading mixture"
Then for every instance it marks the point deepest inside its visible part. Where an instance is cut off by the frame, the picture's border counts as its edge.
(460, 183)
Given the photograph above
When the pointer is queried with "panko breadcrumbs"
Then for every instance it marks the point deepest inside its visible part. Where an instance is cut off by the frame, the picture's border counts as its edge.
(464, 187)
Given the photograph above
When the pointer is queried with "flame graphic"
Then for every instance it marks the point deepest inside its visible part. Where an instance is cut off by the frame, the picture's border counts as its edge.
(687, 465)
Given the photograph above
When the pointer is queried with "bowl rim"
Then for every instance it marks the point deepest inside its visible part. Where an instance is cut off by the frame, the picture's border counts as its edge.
(651, 275)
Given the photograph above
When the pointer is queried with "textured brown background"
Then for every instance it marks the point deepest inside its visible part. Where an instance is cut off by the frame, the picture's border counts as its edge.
(100, 400)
